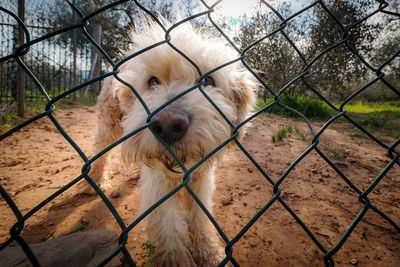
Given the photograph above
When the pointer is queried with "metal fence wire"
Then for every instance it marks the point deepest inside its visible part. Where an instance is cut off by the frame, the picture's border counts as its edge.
(49, 60)
(393, 150)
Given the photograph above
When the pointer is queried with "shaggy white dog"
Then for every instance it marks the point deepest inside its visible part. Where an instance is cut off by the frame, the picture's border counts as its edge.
(191, 126)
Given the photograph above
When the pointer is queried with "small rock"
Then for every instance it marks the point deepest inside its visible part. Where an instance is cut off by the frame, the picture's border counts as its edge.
(250, 170)
(325, 174)
(115, 194)
(257, 187)
(245, 204)
(237, 214)
(364, 235)
(226, 201)
(66, 167)
(354, 261)
(253, 244)
(341, 165)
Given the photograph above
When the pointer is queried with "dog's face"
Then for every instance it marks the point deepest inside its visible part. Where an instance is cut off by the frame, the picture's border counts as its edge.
(191, 126)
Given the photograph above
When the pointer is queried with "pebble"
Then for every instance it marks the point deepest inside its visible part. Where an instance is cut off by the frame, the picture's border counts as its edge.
(326, 174)
(354, 261)
(314, 170)
(257, 187)
(253, 244)
(226, 201)
(347, 152)
(115, 194)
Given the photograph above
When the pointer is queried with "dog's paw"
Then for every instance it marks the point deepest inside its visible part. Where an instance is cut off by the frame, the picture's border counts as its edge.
(86, 189)
(209, 255)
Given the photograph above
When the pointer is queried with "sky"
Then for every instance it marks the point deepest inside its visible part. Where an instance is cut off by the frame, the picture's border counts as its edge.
(237, 8)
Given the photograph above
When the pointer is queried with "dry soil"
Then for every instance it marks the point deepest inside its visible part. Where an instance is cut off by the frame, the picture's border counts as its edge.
(36, 161)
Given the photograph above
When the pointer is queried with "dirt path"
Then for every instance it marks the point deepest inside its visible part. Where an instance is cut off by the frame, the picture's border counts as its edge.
(37, 161)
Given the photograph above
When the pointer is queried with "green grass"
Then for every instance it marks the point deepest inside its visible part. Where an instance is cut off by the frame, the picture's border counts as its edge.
(282, 133)
(150, 254)
(381, 118)
(385, 123)
(9, 117)
(373, 107)
(301, 134)
(311, 108)
(337, 153)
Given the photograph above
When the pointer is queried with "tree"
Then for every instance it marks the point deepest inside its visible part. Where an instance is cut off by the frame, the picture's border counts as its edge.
(274, 58)
(339, 72)
(116, 24)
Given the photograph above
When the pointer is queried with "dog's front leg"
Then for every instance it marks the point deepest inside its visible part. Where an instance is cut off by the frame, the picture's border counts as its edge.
(167, 225)
(207, 250)
(108, 130)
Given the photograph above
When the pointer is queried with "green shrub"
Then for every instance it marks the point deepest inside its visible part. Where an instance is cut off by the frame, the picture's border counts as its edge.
(311, 108)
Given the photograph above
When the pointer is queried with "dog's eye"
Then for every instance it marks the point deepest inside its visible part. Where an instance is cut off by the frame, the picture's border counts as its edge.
(209, 81)
(153, 81)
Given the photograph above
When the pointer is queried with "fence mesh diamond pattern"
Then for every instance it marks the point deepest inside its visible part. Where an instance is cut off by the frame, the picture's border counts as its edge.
(50, 60)
(393, 150)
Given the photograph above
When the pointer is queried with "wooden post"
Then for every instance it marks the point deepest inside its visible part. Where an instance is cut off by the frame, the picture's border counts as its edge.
(96, 60)
(21, 76)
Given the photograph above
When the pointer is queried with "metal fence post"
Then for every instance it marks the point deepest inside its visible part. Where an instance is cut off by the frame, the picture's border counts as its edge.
(74, 51)
(21, 76)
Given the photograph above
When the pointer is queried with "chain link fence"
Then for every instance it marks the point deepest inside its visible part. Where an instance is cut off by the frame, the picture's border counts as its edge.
(393, 150)
(50, 60)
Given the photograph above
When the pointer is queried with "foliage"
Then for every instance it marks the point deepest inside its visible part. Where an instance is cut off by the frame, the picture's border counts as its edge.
(370, 107)
(379, 117)
(282, 133)
(311, 108)
(116, 22)
(337, 153)
(383, 122)
(339, 71)
(115, 37)
(274, 58)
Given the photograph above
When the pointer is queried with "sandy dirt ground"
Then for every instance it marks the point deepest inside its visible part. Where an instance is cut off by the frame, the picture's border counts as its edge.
(37, 161)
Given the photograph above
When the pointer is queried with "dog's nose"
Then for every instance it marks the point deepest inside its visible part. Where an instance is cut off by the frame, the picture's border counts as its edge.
(171, 125)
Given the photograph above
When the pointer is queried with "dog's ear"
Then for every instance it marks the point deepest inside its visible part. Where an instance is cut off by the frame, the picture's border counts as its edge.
(124, 95)
(242, 94)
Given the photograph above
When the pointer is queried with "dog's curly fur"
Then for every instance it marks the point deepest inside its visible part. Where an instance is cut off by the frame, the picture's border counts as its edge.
(180, 230)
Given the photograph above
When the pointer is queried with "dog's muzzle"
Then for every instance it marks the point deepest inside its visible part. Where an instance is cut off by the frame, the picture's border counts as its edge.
(171, 125)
